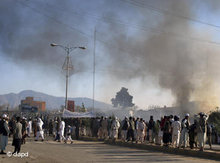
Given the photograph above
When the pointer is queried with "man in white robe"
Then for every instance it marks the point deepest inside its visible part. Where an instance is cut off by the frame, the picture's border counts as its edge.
(61, 130)
(176, 128)
(29, 127)
(201, 129)
(184, 136)
(40, 132)
(115, 126)
(141, 130)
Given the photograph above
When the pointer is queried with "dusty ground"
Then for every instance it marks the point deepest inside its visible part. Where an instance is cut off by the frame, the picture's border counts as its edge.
(84, 151)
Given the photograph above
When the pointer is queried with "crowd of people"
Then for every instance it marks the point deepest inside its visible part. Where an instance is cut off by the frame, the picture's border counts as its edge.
(168, 131)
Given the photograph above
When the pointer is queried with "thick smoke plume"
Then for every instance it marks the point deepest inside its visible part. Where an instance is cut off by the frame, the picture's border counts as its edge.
(28, 28)
(175, 60)
(161, 49)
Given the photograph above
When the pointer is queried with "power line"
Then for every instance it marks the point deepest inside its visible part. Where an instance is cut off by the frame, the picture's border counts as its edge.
(138, 27)
(107, 43)
(67, 25)
(101, 18)
(161, 11)
(54, 19)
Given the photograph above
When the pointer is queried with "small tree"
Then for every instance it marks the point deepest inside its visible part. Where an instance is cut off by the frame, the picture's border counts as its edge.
(122, 98)
(214, 119)
(4, 106)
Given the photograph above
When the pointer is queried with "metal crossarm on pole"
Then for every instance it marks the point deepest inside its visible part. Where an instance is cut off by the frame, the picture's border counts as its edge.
(67, 66)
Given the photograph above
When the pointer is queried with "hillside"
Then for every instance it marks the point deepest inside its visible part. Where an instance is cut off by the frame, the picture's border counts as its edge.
(52, 102)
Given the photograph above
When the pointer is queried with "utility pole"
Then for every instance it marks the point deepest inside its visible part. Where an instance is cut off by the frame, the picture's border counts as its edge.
(67, 75)
(94, 64)
(67, 65)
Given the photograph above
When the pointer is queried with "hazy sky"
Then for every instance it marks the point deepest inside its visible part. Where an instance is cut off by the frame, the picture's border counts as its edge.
(131, 37)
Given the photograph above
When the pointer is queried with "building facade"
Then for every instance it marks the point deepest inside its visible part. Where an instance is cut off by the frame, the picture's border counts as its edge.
(29, 101)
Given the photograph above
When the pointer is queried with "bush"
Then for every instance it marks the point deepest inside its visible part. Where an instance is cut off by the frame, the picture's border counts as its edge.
(214, 119)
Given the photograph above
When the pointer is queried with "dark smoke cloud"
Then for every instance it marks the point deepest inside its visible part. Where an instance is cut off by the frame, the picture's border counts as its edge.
(167, 55)
(27, 29)
(157, 49)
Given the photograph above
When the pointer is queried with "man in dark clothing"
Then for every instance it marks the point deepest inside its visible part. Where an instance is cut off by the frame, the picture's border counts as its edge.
(192, 135)
(92, 125)
(4, 132)
(97, 126)
(24, 126)
(50, 127)
(46, 126)
(209, 134)
(124, 129)
(34, 126)
(77, 125)
(136, 121)
(57, 137)
(131, 129)
(171, 121)
(167, 131)
(109, 126)
(151, 126)
(17, 136)
(165, 140)
(11, 125)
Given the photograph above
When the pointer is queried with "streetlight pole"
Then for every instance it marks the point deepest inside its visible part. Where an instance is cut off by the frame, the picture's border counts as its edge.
(67, 77)
(68, 50)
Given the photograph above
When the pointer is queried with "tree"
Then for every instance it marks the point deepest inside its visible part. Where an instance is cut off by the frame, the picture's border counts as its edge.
(81, 108)
(122, 98)
(4, 107)
(214, 119)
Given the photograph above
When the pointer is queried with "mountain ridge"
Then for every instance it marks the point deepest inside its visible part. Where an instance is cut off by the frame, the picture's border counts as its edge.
(52, 102)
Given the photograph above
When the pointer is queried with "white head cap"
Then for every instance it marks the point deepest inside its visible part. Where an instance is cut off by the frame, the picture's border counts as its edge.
(4, 116)
(187, 115)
